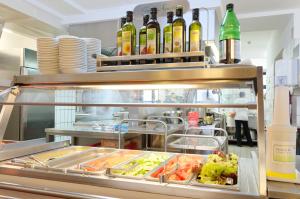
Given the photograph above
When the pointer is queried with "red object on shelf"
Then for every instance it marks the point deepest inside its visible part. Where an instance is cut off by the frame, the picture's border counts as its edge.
(193, 119)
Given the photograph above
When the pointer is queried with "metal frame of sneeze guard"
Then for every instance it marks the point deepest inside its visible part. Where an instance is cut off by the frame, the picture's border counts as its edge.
(221, 76)
(7, 109)
(199, 136)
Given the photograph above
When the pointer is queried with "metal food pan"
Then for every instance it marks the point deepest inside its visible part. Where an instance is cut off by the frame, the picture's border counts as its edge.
(78, 158)
(149, 177)
(235, 187)
(119, 167)
(81, 168)
(36, 159)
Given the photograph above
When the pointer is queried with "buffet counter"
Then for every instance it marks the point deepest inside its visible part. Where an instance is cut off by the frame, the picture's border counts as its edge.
(232, 178)
(125, 188)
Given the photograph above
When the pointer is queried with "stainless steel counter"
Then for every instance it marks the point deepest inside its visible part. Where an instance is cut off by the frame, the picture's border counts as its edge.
(283, 189)
(28, 177)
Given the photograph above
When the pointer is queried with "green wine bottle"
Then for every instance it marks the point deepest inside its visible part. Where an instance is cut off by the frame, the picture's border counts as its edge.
(195, 32)
(230, 38)
(153, 33)
(143, 36)
(179, 33)
(128, 36)
(119, 37)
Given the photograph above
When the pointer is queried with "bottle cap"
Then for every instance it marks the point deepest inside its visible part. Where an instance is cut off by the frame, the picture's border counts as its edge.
(123, 21)
(129, 17)
(153, 10)
(146, 19)
(170, 16)
(229, 6)
(195, 13)
(129, 13)
(179, 10)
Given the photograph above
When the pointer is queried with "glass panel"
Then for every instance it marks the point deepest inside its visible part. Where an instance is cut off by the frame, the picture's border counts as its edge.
(119, 96)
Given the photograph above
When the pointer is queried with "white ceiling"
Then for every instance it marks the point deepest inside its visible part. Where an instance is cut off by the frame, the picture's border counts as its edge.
(27, 25)
(68, 12)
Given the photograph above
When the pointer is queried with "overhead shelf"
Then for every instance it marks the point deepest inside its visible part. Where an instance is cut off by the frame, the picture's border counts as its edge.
(231, 74)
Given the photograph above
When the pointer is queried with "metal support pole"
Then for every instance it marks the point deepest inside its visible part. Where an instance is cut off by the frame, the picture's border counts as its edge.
(262, 184)
(7, 110)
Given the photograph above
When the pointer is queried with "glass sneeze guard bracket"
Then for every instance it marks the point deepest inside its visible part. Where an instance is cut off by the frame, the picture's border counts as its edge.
(7, 109)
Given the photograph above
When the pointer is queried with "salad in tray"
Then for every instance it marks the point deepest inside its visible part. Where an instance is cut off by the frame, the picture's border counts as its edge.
(219, 169)
(141, 165)
(179, 168)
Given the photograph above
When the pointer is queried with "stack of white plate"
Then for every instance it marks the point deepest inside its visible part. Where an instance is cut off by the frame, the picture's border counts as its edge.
(93, 47)
(47, 55)
(72, 55)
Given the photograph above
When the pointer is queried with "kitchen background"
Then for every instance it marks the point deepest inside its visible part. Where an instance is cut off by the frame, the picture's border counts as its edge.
(269, 32)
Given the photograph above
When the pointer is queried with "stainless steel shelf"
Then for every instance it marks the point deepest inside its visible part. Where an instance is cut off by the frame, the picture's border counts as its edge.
(171, 105)
(236, 74)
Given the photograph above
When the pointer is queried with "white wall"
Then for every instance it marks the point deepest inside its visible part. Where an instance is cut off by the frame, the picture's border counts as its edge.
(283, 42)
(11, 45)
(10, 39)
(106, 31)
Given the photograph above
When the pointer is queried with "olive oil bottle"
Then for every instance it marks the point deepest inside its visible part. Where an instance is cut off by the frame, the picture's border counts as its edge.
(195, 32)
(168, 36)
(128, 36)
(179, 32)
(143, 36)
(195, 35)
(153, 35)
(119, 37)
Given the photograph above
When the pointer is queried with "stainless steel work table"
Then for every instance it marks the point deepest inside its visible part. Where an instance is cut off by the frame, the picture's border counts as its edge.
(89, 132)
(127, 188)
(283, 189)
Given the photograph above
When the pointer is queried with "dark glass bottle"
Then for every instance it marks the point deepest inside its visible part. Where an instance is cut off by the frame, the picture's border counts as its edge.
(143, 36)
(119, 37)
(230, 38)
(153, 35)
(179, 32)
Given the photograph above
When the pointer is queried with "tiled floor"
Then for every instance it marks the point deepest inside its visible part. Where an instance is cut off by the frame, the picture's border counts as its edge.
(243, 151)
